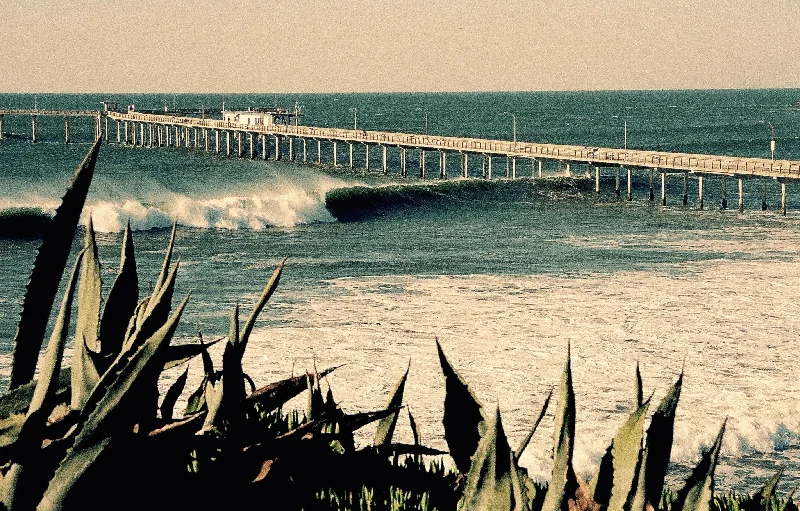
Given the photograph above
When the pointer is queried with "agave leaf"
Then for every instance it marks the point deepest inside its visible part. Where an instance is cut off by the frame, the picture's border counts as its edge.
(67, 475)
(163, 276)
(208, 364)
(135, 320)
(265, 295)
(122, 300)
(276, 394)
(385, 431)
(659, 444)
(197, 401)
(527, 439)
(564, 440)
(47, 271)
(316, 403)
(156, 314)
(603, 480)
(213, 395)
(108, 407)
(767, 492)
(19, 399)
(182, 353)
(172, 395)
(463, 416)
(349, 423)
(698, 492)
(626, 451)
(89, 299)
(639, 394)
(234, 390)
(414, 429)
(47, 382)
(492, 482)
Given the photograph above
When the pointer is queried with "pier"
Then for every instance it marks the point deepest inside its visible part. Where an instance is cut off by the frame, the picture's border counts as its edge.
(37, 112)
(276, 138)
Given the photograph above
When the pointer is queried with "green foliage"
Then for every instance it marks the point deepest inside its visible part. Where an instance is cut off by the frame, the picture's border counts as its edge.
(385, 431)
(698, 492)
(562, 479)
(463, 416)
(47, 271)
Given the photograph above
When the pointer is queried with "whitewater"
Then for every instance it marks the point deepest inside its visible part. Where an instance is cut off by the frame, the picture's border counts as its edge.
(506, 275)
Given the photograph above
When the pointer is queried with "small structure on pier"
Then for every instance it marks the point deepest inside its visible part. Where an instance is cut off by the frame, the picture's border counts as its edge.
(262, 116)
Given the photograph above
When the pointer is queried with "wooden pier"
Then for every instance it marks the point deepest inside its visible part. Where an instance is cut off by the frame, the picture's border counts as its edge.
(38, 112)
(250, 140)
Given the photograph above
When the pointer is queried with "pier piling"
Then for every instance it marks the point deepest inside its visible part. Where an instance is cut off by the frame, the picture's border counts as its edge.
(443, 165)
(783, 198)
(700, 192)
(763, 195)
(597, 180)
(663, 188)
(652, 195)
(66, 130)
(465, 168)
(685, 188)
(384, 162)
(741, 196)
(422, 163)
(489, 175)
(724, 192)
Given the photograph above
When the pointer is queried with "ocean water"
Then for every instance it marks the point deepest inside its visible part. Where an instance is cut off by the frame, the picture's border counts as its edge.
(505, 274)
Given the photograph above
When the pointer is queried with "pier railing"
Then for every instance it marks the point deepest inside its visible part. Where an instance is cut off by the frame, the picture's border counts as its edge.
(597, 156)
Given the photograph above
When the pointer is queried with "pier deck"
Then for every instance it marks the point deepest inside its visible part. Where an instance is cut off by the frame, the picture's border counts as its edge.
(594, 156)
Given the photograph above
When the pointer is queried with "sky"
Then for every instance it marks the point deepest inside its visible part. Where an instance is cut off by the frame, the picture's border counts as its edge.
(205, 46)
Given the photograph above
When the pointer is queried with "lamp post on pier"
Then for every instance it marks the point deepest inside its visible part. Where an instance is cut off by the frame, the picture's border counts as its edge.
(355, 117)
(772, 141)
(513, 124)
(426, 123)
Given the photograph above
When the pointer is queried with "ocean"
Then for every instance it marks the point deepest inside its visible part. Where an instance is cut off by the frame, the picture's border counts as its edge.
(505, 274)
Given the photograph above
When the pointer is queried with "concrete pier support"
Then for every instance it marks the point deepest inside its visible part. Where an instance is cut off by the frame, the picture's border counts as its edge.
(305, 151)
(160, 136)
(513, 167)
(616, 187)
(652, 195)
(783, 199)
(178, 138)
(597, 180)
(350, 152)
(216, 141)
(685, 188)
(465, 166)
(422, 163)
(508, 167)
(239, 151)
(167, 138)
(442, 165)
(403, 170)
(724, 203)
(125, 130)
(568, 171)
(319, 152)
(291, 148)
(205, 138)
(763, 195)
(540, 168)
(700, 192)
(133, 134)
(630, 184)
(741, 196)
(228, 144)
(489, 171)
(119, 136)
(66, 130)
(151, 129)
(264, 147)
(278, 155)
(141, 134)
(1, 127)
(336, 155)
(385, 167)
(663, 188)
(366, 156)
(106, 131)
(252, 146)
(33, 129)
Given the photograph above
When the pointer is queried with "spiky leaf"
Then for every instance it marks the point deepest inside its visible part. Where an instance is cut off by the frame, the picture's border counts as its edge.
(603, 479)
(698, 492)
(267, 292)
(122, 300)
(47, 271)
(564, 441)
(172, 395)
(626, 452)
(639, 393)
(658, 446)
(524, 444)
(492, 482)
(463, 416)
(385, 431)
(182, 353)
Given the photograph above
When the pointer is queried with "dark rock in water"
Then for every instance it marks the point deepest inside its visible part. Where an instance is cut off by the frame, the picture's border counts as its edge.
(23, 223)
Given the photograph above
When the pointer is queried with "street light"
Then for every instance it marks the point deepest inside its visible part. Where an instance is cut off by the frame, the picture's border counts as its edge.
(514, 124)
(355, 117)
(772, 141)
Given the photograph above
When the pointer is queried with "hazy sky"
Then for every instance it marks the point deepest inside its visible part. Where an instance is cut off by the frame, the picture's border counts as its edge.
(416, 45)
